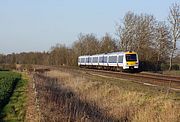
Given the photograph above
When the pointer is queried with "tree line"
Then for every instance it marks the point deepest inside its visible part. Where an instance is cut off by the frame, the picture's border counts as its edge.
(154, 41)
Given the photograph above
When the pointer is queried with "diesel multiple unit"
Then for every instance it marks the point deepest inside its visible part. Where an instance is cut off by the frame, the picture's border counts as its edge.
(114, 61)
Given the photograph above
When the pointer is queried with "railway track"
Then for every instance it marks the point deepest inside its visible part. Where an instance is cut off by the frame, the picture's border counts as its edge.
(161, 75)
(152, 79)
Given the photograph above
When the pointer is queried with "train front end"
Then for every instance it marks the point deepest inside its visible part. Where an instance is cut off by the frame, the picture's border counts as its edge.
(131, 61)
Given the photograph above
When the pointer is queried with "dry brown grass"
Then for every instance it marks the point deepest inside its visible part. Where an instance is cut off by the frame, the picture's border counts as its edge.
(173, 72)
(59, 103)
(121, 103)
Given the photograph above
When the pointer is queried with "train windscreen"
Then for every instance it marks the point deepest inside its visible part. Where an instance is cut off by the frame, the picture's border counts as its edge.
(131, 57)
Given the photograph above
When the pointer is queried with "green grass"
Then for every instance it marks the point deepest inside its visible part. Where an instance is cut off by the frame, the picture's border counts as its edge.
(15, 111)
(8, 81)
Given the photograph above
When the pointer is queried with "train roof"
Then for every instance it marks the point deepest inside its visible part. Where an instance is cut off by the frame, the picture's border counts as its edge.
(127, 52)
(113, 53)
(83, 56)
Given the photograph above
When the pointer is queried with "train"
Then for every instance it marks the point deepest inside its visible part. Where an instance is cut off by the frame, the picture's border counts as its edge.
(120, 61)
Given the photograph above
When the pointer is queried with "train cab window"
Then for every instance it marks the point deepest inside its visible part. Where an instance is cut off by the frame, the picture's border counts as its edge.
(120, 59)
(112, 59)
(131, 57)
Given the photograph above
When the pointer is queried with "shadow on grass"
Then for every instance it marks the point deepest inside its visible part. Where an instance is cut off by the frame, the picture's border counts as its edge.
(61, 104)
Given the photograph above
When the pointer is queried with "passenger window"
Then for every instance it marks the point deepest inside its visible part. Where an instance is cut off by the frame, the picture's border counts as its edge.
(100, 59)
(105, 59)
(87, 60)
(82, 60)
(95, 59)
(112, 59)
(120, 60)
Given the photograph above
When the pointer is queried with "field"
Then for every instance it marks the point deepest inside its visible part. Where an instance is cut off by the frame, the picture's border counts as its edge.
(12, 96)
(78, 96)
(7, 82)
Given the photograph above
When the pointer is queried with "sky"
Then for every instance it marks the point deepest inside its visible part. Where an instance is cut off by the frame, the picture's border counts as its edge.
(37, 25)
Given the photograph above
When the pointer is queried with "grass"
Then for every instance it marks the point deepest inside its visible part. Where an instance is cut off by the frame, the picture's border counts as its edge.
(125, 100)
(173, 72)
(15, 110)
(133, 86)
(8, 81)
(62, 104)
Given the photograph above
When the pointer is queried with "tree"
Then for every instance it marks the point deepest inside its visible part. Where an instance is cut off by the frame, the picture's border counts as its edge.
(107, 44)
(137, 34)
(161, 45)
(162, 41)
(2, 58)
(58, 55)
(126, 31)
(86, 44)
(174, 21)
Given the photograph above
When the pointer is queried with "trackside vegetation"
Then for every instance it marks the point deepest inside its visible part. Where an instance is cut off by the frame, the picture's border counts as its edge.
(110, 98)
(12, 96)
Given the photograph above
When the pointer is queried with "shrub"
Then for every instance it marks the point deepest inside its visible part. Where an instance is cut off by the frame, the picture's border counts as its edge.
(175, 67)
(164, 66)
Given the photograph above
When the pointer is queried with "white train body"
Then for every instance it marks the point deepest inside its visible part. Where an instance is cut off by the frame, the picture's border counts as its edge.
(123, 60)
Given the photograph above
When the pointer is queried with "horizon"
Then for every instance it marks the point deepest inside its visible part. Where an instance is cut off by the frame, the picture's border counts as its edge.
(36, 26)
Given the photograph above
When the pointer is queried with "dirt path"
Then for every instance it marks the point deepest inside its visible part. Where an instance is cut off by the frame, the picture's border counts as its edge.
(31, 113)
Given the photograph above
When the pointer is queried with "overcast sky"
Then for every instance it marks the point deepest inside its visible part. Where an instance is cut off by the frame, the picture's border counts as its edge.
(36, 25)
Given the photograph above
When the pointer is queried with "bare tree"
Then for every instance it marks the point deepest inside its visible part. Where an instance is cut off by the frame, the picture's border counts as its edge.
(126, 31)
(137, 34)
(161, 45)
(58, 55)
(86, 44)
(174, 20)
(107, 44)
(162, 41)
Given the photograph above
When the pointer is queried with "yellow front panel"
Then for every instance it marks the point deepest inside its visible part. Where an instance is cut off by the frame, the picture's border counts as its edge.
(131, 63)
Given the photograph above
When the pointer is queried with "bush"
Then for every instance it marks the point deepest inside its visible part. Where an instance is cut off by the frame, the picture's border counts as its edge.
(175, 67)
(149, 66)
(164, 66)
(7, 67)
